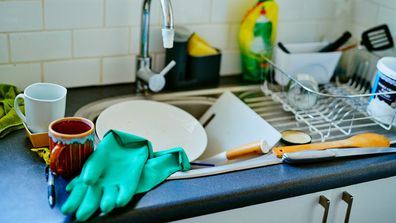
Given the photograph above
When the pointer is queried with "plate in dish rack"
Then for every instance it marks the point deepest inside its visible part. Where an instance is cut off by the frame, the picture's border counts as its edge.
(166, 126)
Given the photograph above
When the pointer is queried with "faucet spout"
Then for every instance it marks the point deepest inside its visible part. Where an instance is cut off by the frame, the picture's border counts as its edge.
(168, 32)
(146, 78)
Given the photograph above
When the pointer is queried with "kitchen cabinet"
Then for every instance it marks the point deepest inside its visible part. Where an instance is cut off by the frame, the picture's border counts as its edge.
(371, 202)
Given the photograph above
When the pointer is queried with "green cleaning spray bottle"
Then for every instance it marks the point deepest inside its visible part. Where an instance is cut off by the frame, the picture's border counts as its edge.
(256, 38)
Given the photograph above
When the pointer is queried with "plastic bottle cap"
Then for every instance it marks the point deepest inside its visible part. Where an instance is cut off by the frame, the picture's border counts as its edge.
(167, 37)
(387, 66)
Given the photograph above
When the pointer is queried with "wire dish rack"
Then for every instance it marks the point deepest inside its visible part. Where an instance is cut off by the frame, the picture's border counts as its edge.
(333, 108)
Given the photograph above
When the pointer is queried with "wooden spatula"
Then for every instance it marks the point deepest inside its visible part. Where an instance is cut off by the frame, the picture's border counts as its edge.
(360, 140)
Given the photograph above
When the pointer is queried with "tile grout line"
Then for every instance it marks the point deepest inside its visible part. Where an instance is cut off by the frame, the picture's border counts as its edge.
(72, 44)
(42, 71)
(211, 11)
(101, 71)
(9, 48)
(43, 14)
(104, 2)
(129, 40)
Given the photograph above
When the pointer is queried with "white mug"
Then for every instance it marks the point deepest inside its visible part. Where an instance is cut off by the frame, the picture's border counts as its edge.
(44, 103)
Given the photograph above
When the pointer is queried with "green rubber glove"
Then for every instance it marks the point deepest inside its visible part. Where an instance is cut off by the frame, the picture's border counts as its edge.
(121, 166)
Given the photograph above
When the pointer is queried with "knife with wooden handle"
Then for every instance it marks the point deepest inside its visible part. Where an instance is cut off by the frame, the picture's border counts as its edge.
(253, 148)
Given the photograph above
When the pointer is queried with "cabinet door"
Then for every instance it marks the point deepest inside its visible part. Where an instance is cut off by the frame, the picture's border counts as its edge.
(372, 202)
(301, 209)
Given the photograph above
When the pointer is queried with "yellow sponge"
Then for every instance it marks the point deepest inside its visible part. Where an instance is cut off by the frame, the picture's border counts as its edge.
(199, 47)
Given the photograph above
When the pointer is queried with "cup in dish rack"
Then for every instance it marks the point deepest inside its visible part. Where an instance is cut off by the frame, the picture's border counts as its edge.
(298, 96)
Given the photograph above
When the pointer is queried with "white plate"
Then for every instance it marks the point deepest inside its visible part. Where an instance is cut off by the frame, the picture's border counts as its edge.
(166, 126)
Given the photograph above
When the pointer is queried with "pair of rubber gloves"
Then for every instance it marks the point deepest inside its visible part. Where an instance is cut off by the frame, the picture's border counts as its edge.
(121, 166)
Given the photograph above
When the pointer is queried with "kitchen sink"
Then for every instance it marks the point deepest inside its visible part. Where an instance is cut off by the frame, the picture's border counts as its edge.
(196, 102)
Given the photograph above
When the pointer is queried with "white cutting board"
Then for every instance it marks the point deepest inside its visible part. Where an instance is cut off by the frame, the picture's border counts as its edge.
(234, 124)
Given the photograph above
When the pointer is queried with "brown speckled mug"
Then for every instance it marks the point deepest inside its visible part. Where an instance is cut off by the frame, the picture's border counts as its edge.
(71, 141)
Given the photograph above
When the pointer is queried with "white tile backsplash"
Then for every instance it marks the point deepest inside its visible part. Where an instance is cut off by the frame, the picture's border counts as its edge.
(225, 11)
(230, 63)
(289, 11)
(388, 16)
(159, 62)
(67, 14)
(20, 75)
(191, 11)
(134, 40)
(370, 13)
(73, 73)
(127, 12)
(90, 42)
(315, 10)
(20, 16)
(102, 42)
(119, 69)
(3, 49)
(386, 3)
(365, 12)
(216, 35)
(155, 42)
(36, 46)
(296, 32)
(233, 38)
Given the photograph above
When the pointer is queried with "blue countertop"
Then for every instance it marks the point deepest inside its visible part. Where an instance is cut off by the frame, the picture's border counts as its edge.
(23, 184)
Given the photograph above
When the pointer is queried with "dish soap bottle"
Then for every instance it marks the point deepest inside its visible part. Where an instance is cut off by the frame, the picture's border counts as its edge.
(256, 38)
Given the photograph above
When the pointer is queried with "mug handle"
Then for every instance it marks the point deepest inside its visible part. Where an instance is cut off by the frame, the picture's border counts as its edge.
(17, 109)
(54, 157)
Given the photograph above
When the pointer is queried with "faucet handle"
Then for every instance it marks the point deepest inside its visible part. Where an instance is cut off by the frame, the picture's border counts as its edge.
(157, 82)
(168, 68)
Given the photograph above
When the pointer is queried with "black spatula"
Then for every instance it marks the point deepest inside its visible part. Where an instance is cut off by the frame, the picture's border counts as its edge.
(377, 38)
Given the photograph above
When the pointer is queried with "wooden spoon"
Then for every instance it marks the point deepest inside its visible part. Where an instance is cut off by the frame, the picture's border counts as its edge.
(360, 140)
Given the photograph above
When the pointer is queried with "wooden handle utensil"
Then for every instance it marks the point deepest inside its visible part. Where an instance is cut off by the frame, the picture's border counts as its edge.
(360, 140)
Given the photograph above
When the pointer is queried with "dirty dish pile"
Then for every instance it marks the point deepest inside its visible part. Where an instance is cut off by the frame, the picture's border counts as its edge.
(166, 126)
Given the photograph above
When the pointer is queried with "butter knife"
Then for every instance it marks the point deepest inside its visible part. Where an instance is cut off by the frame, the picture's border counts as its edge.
(330, 154)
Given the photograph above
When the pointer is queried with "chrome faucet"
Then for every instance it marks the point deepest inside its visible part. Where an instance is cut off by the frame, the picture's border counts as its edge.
(146, 78)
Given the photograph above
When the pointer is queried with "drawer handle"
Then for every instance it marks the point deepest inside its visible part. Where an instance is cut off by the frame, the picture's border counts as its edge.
(348, 198)
(326, 205)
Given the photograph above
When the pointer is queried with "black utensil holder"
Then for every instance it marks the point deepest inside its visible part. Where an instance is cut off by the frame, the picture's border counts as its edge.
(191, 71)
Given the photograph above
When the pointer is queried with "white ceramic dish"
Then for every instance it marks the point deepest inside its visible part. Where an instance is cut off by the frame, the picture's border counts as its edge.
(166, 126)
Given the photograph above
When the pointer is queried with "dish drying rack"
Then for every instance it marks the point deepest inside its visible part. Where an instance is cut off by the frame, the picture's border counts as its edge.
(340, 106)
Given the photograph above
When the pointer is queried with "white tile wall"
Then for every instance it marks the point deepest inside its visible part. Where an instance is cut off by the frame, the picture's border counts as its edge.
(134, 35)
(225, 11)
(73, 73)
(3, 49)
(192, 11)
(230, 61)
(103, 42)
(125, 12)
(20, 16)
(217, 34)
(90, 42)
(68, 14)
(20, 75)
(118, 69)
(370, 13)
(388, 16)
(37, 46)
